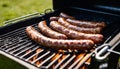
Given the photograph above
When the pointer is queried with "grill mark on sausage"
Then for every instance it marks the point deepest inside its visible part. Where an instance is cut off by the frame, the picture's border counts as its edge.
(58, 43)
(97, 38)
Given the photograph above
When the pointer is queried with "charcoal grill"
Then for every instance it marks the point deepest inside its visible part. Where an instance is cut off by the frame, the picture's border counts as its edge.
(15, 44)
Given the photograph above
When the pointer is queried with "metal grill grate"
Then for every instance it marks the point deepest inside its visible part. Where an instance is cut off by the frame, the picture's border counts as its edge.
(17, 44)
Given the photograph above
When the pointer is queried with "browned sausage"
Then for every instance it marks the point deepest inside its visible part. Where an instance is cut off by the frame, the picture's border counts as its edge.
(58, 43)
(86, 24)
(54, 18)
(49, 32)
(74, 34)
(79, 29)
(66, 16)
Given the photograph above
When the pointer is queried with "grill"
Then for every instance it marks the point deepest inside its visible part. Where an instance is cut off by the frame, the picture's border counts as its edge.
(16, 45)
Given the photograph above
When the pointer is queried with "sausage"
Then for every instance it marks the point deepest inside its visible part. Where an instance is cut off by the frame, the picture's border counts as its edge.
(63, 22)
(58, 43)
(66, 16)
(86, 24)
(54, 18)
(49, 32)
(97, 38)
(63, 15)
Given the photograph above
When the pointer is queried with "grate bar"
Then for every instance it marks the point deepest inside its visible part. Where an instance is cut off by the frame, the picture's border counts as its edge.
(71, 67)
(46, 60)
(20, 30)
(83, 60)
(68, 62)
(61, 61)
(19, 45)
(23, 50)
(29, 52)
(53, 61)
(4, 47)
(9, 49)
(34, 55)
(15, 34)
(11, 44)
(20, 48)
(40, 57)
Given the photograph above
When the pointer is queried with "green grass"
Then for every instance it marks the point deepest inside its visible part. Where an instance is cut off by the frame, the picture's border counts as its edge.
(10, 9)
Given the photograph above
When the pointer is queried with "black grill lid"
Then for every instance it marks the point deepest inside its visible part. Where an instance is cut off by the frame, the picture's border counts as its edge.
(112, 6)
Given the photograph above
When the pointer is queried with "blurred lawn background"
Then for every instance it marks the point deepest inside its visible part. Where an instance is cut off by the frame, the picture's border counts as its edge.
(10, 9)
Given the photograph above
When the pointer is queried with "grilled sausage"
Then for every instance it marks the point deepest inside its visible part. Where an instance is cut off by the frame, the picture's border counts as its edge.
(54, 18)
(86, 24)
(63, 22)
(63, 15)
(66, 16)
(49, 32)
(97, 38)
(58, 43)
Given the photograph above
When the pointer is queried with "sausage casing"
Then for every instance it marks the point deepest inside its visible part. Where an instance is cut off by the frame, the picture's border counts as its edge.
(66, 16)
(49, 32)
(86, 24)
(97, 38)
(63, 15)
(58, 43)
(53, 18)
(79, 29)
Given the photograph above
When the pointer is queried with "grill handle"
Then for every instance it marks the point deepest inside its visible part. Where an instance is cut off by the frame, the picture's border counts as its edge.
(105, 49)
(21, 18)
(99, 55)
(48, 10)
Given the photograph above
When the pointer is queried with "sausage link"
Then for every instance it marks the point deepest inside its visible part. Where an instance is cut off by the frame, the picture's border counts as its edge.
(86, 24)
(66, 16)
(54, 18)
(58, 43)
(63, 15)
(79, 29)
(97, 38)
(49, 32)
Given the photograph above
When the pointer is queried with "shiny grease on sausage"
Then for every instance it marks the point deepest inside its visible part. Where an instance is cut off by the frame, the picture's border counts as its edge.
(63, 22)
(97, 38)
(49, 32)
(58, 43)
